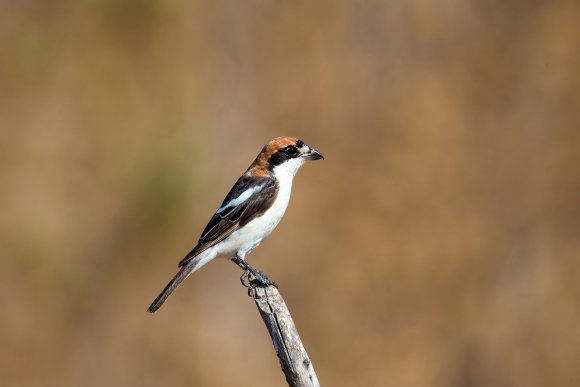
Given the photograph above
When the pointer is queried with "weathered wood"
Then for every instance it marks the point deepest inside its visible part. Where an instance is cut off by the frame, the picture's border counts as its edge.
(294, 360)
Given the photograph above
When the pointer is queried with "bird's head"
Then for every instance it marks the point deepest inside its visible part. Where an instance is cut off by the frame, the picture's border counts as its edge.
(283, 155)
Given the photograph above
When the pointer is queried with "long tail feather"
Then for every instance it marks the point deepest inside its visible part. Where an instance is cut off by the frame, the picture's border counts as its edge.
(171, 286)
(182, 274)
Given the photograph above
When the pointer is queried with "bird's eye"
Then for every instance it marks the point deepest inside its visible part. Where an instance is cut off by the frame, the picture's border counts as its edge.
(292, 150)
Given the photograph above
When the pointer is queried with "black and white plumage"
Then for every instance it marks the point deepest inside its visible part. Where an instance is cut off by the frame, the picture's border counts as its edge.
(249, 213)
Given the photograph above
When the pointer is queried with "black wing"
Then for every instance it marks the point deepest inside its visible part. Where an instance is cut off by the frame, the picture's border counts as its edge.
(231, 215)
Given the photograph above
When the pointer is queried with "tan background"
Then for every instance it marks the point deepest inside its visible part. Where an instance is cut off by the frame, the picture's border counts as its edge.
(437, 245)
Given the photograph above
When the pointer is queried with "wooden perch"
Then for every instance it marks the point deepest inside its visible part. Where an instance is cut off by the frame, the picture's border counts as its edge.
(294, 361)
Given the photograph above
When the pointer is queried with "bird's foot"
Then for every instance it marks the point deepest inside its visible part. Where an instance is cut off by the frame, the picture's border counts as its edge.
(252, 277)
(245, 279)
(258, 281)
(261, 280)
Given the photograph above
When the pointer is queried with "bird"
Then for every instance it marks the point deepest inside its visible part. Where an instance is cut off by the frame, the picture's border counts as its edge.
(249, 213)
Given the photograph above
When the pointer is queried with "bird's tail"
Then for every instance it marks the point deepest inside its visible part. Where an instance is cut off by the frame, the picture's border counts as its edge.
(182, 274)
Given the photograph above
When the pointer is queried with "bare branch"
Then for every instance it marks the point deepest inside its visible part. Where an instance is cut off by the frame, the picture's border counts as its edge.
(294, 360)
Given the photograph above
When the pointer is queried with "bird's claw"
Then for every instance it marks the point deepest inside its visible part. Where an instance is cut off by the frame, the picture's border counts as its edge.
(259, 281)
(245, 279)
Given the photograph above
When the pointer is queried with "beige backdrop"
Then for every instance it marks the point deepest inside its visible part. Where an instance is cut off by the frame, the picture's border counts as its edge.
(437, 245)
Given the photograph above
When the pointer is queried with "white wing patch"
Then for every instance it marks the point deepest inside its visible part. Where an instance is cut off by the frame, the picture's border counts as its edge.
(240, 199)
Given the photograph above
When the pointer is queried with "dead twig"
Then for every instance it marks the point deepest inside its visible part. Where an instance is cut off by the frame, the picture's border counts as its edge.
(294, 360)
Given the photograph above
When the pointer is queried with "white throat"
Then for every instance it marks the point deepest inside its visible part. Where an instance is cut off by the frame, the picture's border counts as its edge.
(284, 173)
(288, 167)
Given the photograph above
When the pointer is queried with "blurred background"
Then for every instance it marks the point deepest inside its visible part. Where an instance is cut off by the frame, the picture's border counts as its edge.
(437, 245)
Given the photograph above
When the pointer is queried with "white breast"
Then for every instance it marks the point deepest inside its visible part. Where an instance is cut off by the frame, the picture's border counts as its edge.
(250, 236)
